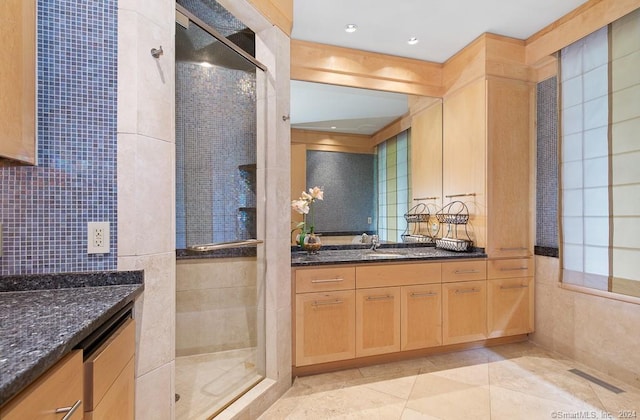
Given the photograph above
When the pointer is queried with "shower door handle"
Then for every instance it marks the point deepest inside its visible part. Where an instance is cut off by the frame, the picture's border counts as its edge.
(224, 245)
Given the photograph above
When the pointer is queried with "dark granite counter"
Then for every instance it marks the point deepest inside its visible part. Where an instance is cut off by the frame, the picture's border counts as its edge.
(359, 255)
(44, 317)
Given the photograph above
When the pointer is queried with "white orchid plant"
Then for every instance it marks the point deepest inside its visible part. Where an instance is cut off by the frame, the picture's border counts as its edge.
(304, 206)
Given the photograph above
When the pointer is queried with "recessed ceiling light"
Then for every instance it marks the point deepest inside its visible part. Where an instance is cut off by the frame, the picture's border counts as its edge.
(351, 28)
(413, 40)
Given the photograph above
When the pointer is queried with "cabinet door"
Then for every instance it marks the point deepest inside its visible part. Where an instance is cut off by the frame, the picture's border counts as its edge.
(377, 321)
(17, 84)
(325, 327)
(60, 388)
(464, 316)
(421, 317)
(508, 174)
(510, 306)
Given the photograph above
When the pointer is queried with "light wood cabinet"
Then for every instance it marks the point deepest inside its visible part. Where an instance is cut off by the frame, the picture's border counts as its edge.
(58, 390)
(510, 297)
(377, 321)
(464, 311)
(426, 154)
(109, 377)
(486, 152)
(18, 82)
(325, 327)
(421, 316)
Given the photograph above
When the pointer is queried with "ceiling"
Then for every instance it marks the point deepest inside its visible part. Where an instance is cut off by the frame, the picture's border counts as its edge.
(442, 27)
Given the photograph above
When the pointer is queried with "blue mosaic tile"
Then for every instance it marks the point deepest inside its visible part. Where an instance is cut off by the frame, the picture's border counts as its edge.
(45, 209)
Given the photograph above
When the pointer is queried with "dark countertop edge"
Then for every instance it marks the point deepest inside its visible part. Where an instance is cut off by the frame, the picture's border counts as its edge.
(460, 256)
(21, 283)
(239, 252)
(47, 361)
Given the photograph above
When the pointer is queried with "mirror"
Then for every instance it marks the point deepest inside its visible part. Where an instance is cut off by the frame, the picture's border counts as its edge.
(334, 134)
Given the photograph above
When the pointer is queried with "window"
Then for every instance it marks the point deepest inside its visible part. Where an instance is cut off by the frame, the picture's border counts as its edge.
(393, 186)
(600, 158)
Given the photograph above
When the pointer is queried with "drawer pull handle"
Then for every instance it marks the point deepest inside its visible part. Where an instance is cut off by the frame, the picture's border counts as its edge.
(514, 269)
(385, 297)
(462, 291)
(336, 280)
(466, 272)
(461, 195)
(327, 302)
(517, 286)
(520, 248)
(69, 410)
(426, 294)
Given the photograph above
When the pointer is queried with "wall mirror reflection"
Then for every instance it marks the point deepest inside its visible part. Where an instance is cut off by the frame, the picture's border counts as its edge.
(357, 144)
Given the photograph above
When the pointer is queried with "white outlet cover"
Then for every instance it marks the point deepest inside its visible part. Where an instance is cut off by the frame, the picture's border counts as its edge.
(93, 245)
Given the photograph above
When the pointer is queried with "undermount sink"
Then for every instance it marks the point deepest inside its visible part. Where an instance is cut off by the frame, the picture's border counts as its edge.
(376, 254)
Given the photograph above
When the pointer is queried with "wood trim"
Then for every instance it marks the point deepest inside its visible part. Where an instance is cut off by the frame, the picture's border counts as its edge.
(402, 355)
(348, 67)
(278, 12)
(545, 68)
(599, 293)
(576, 25)
(335, 142)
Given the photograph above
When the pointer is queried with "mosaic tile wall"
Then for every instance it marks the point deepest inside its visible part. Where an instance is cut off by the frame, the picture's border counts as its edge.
(349, 190)
(547, 165)
(215, 139)
(45, 209)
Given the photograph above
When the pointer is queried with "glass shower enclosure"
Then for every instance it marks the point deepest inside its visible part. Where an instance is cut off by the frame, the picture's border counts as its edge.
(220, 350)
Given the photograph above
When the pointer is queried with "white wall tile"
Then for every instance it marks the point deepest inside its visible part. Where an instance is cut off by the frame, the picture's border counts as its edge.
(155, 394)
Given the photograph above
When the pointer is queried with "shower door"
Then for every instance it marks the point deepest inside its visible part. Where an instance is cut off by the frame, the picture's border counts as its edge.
(220, 350)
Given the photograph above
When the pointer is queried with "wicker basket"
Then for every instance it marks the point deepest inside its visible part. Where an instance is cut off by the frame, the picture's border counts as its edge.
(452, 244)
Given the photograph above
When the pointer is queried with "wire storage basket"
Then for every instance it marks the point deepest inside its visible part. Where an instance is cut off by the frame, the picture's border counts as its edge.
(453, 215)
(415, 217)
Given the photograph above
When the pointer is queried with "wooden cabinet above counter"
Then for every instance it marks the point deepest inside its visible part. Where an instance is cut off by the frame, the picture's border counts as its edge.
(18, 82)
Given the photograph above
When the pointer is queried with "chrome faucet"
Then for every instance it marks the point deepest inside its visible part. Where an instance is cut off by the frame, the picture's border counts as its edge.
(375, 242)
(364, 239)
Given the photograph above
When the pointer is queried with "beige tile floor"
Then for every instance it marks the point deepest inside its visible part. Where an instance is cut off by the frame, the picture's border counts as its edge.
(206, 382)
(516, 381)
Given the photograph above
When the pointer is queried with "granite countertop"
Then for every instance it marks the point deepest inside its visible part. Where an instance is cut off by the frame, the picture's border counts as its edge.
(358, 255)
(44, 317)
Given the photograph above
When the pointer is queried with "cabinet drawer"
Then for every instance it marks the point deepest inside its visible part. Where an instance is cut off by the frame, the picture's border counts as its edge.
(59, 387)
(464, 271)
(397, 275)
(513, 267)
(324, 279)
(103, 367)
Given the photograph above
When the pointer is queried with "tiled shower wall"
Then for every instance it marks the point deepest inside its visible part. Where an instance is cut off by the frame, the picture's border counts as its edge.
(215, 141)
(44, 210)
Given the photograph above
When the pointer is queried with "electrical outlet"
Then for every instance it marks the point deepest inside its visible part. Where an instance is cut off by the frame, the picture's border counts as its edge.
(98, 238)
(369, 220)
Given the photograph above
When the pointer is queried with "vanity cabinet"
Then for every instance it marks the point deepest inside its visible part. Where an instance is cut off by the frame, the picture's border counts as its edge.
(510, 297)
(110, 378)
(421, 316)
(464, 311)
(18, 82)
(57, 390)
(324, 315)
(377, 320)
